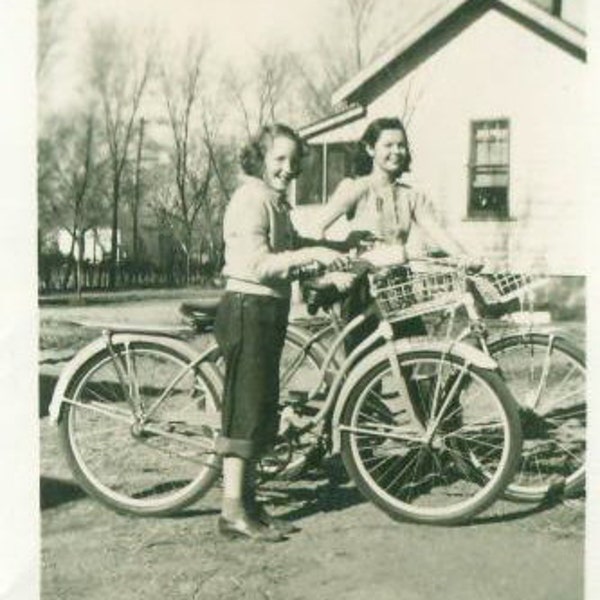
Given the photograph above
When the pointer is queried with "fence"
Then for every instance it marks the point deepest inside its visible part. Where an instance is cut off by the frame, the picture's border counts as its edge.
(60, 275)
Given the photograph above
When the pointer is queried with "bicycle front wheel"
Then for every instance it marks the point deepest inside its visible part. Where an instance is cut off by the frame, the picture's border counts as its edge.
(419, 455)
(547, 376)
(139, 425)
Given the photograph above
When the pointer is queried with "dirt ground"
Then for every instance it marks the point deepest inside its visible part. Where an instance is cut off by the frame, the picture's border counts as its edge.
(346, 548)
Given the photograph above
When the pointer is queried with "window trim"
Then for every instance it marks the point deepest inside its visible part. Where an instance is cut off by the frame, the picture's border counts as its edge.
(327, 149)
(323, 165)
(472, 165)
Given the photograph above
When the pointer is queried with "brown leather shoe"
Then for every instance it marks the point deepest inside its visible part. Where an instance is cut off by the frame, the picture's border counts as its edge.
(283, 527)
(248, 528)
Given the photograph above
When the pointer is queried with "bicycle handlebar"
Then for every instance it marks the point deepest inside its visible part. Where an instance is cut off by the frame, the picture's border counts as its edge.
(360, 264)
(489, 287)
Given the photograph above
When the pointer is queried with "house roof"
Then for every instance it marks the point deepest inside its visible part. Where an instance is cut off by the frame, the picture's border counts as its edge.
(346, 115)
(453, 11)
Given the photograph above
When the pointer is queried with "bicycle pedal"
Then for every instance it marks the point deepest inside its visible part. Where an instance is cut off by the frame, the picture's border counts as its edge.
(298, 396)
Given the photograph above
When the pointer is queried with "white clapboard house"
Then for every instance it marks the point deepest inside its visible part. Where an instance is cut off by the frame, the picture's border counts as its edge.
(492, 93)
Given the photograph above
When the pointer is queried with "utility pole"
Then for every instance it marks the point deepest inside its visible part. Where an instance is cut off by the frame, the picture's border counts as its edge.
(137, 190)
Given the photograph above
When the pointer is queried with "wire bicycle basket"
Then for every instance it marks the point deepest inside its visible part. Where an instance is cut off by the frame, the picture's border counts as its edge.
(500, 288)
(401, 295)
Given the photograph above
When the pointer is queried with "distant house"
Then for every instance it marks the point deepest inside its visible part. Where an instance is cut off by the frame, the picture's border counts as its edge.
(96, 243)
(492, 93)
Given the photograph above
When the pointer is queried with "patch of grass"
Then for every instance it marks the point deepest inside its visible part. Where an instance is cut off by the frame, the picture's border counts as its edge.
(132, 295)
(61, 335)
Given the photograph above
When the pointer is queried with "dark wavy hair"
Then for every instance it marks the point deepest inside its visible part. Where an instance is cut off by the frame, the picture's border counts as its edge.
(252, 155)
(363, 162)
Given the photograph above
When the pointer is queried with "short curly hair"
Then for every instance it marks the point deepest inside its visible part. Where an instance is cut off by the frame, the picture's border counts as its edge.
(252, 155)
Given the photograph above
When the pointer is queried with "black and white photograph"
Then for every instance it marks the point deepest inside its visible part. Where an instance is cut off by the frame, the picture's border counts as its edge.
(308, 313)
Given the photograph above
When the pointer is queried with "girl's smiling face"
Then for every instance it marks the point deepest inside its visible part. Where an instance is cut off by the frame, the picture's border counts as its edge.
(281, 163)
(390, 151)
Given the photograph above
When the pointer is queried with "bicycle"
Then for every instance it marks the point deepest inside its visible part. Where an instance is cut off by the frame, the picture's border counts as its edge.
(427, 430)
(545, 372)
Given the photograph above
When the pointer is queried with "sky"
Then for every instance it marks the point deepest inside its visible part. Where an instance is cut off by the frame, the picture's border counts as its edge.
(235, 27)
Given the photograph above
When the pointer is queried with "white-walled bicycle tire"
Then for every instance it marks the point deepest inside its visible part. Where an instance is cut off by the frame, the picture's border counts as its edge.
(553, 412)
(436, 482)
(166, 464)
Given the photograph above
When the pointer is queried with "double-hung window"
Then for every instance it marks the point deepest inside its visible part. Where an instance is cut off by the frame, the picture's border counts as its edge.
(322, 170)
(489, 170)
(309, 185)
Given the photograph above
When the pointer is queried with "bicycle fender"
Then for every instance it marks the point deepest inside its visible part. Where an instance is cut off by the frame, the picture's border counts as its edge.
(99, 345)
(468, 353)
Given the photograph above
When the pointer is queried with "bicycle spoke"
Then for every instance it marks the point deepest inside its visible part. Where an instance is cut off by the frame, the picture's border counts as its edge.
(576, 410)
(476, 441)
(380, 462)
(556, 377)
(577, 458)
(116, 413)
(572, 370)
(390, 433)
(141, 464)
(441, 447)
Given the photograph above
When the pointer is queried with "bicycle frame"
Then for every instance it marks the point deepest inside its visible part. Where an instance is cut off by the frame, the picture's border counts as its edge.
(126, 336)
(477, 329)
(377, 346)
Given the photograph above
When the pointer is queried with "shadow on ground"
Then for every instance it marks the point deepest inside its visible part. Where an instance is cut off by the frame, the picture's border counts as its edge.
(319, 491)
(54, 492)
(47, 383)
(307, 501)
(336, 492)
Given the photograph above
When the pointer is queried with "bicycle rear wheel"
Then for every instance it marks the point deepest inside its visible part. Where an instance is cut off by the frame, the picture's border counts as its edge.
(547, 376)
(423, 472)
(138, 427)
(299, 370)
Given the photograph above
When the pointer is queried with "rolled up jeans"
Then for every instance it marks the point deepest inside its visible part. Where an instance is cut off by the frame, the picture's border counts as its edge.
(250, 330)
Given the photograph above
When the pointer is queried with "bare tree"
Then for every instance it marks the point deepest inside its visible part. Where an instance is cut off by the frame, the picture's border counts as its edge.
(360, 12)
(134, 185)
(223, 162)
(192, 175)
(118, 77)
(364, 29)
(262, 92)
(236, 86)
(136, 198)
(50, 16)
(272, 80)
(69, 178)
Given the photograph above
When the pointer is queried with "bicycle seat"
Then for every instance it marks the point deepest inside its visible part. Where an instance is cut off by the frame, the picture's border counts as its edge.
(206, 306)
(202, 312)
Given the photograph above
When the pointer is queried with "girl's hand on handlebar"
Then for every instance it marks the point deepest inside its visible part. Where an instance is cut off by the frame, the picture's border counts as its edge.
(360, 239)
(472, 264)
(325, 256)
(385, 255)
(342, 280)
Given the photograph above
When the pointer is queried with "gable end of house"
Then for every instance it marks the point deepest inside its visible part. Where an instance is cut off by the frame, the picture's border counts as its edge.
(443, 28)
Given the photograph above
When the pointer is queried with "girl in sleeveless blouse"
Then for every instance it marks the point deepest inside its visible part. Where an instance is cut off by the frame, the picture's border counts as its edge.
(383, 204)
(379, 198)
